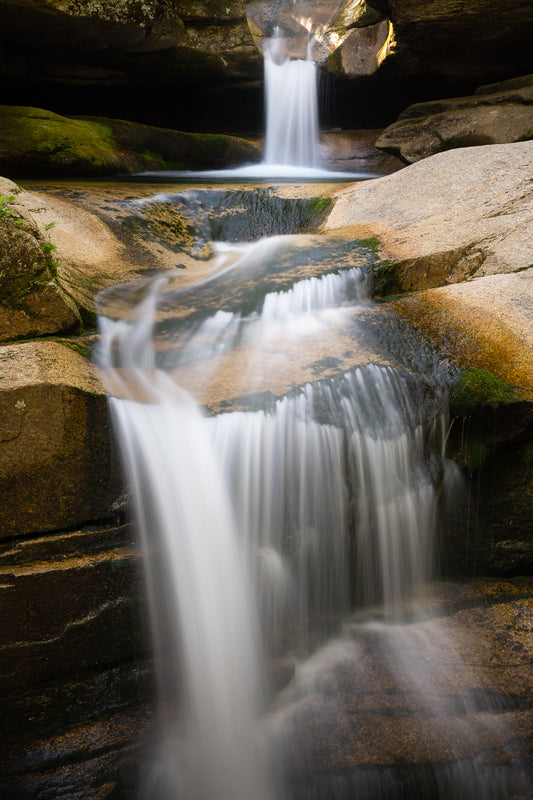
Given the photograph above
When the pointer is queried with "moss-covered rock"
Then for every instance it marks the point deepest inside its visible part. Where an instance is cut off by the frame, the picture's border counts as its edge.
(474, 388)
(38, 142)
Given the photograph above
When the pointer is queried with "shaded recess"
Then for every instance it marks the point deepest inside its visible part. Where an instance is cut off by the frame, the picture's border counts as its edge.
(198, 66)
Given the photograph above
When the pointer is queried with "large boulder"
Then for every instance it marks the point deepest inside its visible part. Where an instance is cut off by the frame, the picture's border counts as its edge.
(32, 301)
(57, 463)
(455, 234)
(458, 215)
(495, 114)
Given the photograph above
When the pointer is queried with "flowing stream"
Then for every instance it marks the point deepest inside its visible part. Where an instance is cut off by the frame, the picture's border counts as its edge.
(287, 475)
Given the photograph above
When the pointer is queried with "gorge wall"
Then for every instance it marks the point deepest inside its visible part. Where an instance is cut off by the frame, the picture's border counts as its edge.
(197, 65)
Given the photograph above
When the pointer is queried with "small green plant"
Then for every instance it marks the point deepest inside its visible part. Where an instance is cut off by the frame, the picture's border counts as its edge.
(8, 212)
(372, 242)
(48, 247)
(5, 202)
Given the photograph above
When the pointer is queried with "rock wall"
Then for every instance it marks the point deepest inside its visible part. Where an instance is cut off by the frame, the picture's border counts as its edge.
(187, 65)
(198, 66)
(495, 114)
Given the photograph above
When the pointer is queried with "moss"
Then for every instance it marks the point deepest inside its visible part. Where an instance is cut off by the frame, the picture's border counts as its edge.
(334, 64)
(387, 280)
(475, 388)
(77, 346)
(316, 206)
(33, 137)
(314, 212)
(372, 242)
(154, 160)
(208, 148)
(40, 143)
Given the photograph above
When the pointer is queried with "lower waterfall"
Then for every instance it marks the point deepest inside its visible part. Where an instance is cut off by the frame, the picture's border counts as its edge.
(296, 529)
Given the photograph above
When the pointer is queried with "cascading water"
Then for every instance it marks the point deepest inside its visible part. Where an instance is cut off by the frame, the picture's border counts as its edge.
(204, 629)
(292, 140)
(291, 107)
(262, 527)
(246, 518)
(310, 489)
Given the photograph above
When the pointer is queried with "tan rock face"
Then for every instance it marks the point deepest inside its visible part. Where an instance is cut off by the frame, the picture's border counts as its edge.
(57, 464)
(487, 323)
(458, 215)
(459, 226)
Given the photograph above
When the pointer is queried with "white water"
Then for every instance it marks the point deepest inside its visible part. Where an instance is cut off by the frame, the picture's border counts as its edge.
(259, 528)
(292, 139)
(201, 607)
(291, 108)
(246, 531)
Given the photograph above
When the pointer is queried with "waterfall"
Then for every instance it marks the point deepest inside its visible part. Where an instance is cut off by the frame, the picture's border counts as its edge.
(246, 520)
(201, 609)
(291, 108)
(293, 528)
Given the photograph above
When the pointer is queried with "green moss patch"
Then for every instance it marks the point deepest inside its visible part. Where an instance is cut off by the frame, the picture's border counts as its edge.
(39, 140)
(36, 142)
(476, 388)
(388, 280)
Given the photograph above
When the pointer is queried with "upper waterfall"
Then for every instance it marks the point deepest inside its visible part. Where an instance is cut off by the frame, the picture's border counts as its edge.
(291, 107)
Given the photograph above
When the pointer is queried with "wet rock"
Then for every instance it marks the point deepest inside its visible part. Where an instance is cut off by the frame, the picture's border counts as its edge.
(355, 151)
(107, 234)
(68, 614)
(57, 461)
(73, 629)
(494, 533)
(497, 114)
(394, 703)
(99, 759)
(487, 324)
(435, 703)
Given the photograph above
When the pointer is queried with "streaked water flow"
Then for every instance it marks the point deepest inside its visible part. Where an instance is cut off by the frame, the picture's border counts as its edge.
(250, 519)
(291, 108)
(265, 524)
